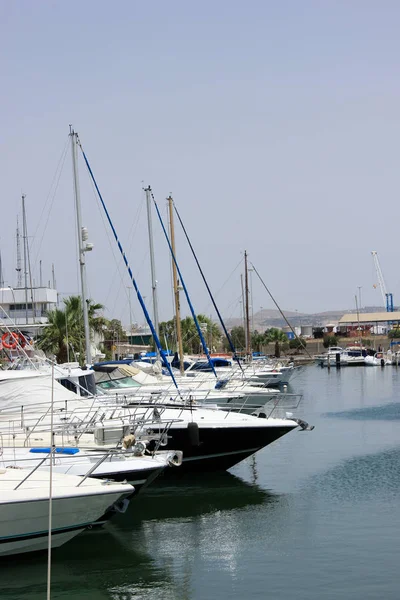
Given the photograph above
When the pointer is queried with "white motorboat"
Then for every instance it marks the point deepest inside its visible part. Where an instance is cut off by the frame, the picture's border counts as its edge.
(210, 438)
(139, 470)
(86, 436)
(379, 359)
(215, 439)
(77, 503)
(330, 357)
(352, 356)
(126, 380)
(265, 372)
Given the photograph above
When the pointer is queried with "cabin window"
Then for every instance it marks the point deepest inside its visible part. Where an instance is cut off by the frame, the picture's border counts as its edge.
(68, 384)
(87, 385)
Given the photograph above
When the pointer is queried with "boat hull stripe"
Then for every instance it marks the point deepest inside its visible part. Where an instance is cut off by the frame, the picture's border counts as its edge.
(217, 455)
(40, 534)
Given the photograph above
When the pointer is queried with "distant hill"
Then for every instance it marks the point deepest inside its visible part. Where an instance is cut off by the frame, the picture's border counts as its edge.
(272, 318)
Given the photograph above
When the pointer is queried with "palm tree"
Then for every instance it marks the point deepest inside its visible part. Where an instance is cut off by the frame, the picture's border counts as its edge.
(190, 336)
(238, 338)
(54, 338)
(280, 339)
(97, 323)
(65, 328)
(73, 308)
(257, 340)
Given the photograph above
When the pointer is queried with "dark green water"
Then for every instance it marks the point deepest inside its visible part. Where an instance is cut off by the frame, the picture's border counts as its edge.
(314, 516)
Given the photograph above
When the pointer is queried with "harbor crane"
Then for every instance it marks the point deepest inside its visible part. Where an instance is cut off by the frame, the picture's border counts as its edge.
(387, 296)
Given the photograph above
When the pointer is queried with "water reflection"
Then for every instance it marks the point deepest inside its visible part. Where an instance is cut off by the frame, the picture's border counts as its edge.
(331, 534)
(90, 566)
(253, 469)
(148, 552)
(199, 520)
(193, 495)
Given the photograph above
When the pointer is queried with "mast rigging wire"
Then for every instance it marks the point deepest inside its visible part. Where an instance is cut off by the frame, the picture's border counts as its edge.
(139, 295)
(203, 342)
(278, 307)
(53, 188)
(228, 337)
(117, 271)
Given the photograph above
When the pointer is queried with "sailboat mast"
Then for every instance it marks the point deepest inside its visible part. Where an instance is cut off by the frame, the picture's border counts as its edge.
(81, 247)
(358, 320)
(152, 262)
(243, 311)
(18, 267)
(24, 237)
(176, 290)
(1, 273)
(28, 270)
(246, 286)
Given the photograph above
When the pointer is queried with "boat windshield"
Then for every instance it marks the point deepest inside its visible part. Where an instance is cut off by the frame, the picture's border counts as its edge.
(202, 365)
(112, 384)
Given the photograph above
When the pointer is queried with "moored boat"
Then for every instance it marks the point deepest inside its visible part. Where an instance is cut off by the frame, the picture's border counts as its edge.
(77, 503)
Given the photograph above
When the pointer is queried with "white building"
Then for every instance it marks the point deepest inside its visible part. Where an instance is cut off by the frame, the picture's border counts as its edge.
(26, 310)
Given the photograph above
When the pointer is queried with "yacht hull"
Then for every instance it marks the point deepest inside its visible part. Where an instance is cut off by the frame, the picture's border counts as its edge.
(218, 449)
(24, 525)
(121, 470)
(140, 480)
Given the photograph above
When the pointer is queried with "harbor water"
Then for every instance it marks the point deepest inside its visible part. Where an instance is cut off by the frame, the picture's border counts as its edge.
(314, 516)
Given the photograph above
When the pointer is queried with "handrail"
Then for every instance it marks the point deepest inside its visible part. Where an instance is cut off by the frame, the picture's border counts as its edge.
(99, 462)
(34, 469)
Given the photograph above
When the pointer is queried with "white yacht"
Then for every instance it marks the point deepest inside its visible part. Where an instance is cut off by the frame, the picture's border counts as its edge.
(86, 436)
(77, 503)
(379, 359)
(127, 380)
(262, 372)
(128, 465)
(329, 357)
(210, 438)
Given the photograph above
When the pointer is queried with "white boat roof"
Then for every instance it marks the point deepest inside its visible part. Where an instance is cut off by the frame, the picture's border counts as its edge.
(30, 389)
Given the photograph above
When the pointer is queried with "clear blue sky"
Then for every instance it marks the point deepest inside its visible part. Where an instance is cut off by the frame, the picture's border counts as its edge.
(275, 125)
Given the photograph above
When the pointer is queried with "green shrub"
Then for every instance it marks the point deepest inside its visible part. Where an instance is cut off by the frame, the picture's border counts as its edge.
(394, 333)
(330, 340)
(298, 343)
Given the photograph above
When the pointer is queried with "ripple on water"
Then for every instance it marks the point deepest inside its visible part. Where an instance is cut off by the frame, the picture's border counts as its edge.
(387, 412)
(361, 478)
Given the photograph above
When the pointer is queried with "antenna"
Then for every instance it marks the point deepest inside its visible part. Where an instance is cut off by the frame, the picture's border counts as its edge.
(18, 267)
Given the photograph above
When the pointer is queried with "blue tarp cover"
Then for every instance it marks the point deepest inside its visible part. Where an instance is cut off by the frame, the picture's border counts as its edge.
(58, 450)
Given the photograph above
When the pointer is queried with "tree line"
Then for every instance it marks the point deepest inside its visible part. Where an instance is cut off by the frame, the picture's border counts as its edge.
(64, 336)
